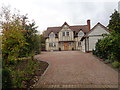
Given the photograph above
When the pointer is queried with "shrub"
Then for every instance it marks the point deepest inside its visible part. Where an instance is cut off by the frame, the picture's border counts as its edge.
(107, 61)
(6, 78)
(108, 47)
(116, 64)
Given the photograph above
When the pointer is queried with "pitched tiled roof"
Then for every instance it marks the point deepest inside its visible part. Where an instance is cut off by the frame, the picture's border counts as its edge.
(76, 29)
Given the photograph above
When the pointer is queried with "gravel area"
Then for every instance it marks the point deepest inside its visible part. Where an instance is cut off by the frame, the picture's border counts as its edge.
(75, 69)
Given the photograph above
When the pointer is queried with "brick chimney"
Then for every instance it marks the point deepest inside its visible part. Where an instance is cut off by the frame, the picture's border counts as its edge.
(88, 23)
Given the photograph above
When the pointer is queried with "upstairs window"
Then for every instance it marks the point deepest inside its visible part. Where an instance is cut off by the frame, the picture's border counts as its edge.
(65, 33)
(52, 35)
(80, 33)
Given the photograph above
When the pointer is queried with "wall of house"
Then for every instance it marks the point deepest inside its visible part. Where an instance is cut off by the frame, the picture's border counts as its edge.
(66, 38)
(93, 41)
(83, 45)
(51, 40)
(48, 41)
(95, 35)
(77, 39)
(98, 31)
(71, 45)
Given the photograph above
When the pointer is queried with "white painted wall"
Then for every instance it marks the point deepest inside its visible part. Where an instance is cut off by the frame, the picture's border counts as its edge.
(83, 45)
(98, 31)
(93, 41)
(51, 40)
(93, 38)
(66, 38)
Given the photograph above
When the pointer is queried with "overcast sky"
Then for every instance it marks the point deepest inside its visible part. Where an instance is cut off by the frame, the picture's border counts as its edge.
(49, 13)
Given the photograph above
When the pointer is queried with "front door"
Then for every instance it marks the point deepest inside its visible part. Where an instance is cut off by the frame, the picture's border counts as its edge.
(66, 46)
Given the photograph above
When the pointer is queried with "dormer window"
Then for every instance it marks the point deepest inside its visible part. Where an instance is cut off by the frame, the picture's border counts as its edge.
(51, 35)
(80, 33)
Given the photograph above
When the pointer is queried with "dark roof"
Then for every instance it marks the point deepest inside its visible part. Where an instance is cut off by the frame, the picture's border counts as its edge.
(75, 28)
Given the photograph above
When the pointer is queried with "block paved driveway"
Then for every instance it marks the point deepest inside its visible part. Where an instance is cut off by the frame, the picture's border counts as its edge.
(75, 69)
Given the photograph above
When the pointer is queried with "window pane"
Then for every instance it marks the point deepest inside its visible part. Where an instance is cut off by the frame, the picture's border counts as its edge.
(63, 33)
(52, 35)
(67, 33)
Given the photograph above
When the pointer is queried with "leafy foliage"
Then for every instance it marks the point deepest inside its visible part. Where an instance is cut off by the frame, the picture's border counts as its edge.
(32, 39)
(19, 40)
(114, 23)
(18, 75)
(12, 43)
(42, 41)
(6, 79)
(116, 64)
(109, 47)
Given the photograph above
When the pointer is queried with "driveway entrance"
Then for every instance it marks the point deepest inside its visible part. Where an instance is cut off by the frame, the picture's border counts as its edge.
(75, 69)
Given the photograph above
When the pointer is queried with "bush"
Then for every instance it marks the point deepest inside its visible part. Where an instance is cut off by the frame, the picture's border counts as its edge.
(6, 78)
(108, 47)
(116, 64)
(107, 61)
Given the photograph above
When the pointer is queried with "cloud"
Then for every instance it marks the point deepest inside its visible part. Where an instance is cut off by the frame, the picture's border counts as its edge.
(48, 13)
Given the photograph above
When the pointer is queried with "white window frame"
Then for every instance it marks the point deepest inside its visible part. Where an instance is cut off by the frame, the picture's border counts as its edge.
(66, 33)
(80, 33)
(52, 44)
(52, 35)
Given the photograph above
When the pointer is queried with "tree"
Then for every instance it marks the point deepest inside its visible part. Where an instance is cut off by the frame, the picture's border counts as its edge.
(114, 23)
(32, 39)
(109, 47)
(13, 40)
(42, 41)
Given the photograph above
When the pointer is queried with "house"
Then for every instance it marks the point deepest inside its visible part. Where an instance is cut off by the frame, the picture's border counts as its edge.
(92, 37)
(78, 37)
(65, 37)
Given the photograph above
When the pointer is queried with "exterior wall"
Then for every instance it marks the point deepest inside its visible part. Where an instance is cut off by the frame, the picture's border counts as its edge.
(98, 31)
(93, 41)
(94, 36)
(77, 39)
(71, 45)
(83, 45)
(66, 38)
(51, 40)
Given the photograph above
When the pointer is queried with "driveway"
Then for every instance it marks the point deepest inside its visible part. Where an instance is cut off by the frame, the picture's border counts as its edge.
(75, 69)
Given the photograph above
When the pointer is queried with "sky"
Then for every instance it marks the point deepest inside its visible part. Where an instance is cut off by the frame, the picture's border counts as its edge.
(50, 13)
